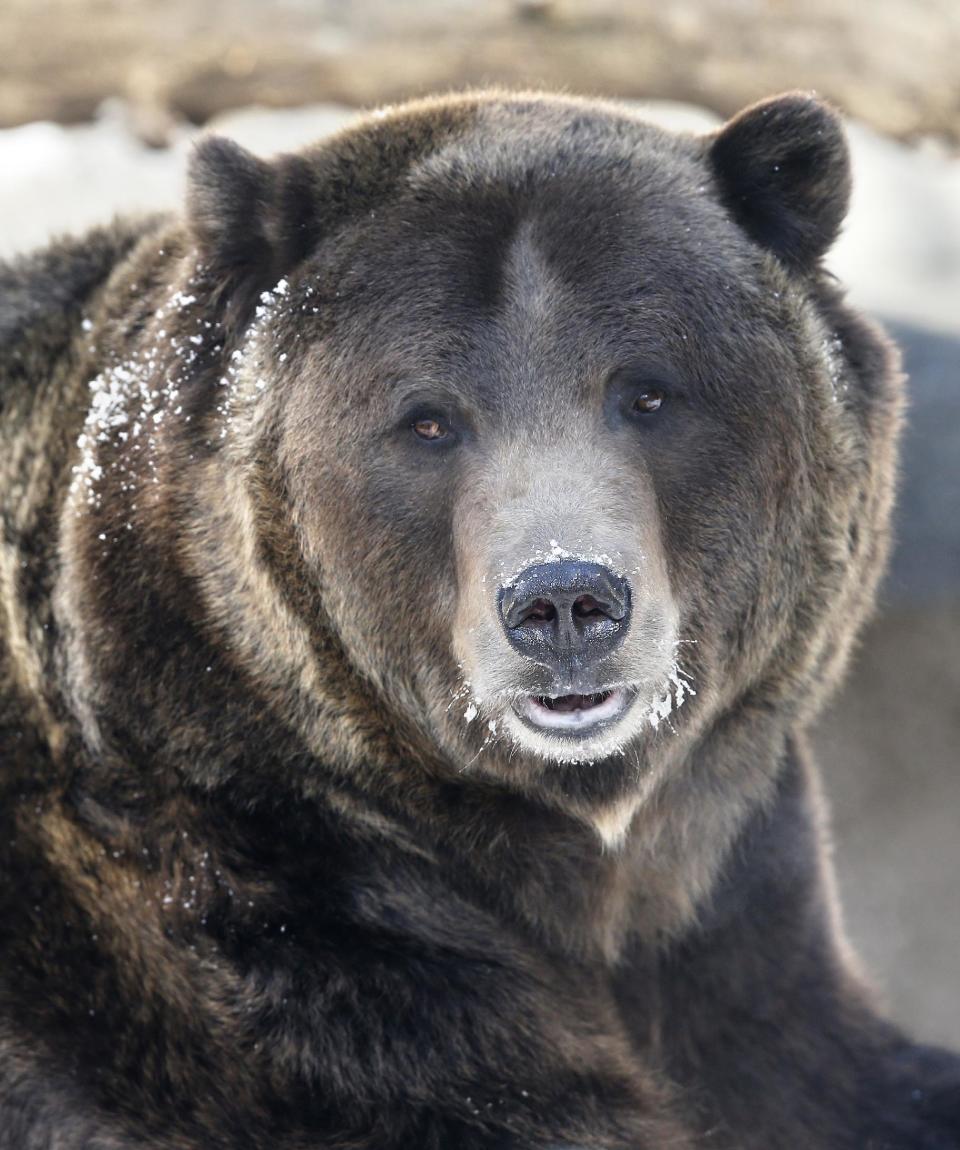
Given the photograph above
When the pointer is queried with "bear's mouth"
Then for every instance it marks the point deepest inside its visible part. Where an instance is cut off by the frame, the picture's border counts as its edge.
(573, 714)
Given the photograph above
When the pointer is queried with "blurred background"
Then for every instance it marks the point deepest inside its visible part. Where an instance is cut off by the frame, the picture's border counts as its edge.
(99, 100)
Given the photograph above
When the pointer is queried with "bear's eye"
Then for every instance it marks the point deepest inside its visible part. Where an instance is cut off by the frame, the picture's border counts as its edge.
(430, 429)
(646, 402)
(640, 396)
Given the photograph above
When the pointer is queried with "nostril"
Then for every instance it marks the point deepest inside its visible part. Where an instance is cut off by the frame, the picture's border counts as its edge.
(586, 607)
(539, 611)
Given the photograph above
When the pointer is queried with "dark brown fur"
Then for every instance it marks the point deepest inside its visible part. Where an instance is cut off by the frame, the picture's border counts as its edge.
(264, 885)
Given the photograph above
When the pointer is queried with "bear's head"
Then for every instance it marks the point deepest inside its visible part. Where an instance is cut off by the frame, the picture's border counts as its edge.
(565, 448)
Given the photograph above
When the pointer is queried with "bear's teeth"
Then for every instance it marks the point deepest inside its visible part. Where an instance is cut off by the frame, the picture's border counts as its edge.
(566, 703)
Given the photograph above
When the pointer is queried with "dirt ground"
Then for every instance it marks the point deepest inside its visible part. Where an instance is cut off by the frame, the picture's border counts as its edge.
(890, 63)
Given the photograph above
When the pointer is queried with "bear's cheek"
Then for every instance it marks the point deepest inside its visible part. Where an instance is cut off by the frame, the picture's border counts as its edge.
(738, 526)
(378, 540)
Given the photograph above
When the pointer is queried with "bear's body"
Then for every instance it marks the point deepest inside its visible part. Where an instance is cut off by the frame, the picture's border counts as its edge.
(319, 829)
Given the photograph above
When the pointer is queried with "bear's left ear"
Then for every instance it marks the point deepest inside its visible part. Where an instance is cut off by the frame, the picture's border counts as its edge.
(784, 174)
(251, 219)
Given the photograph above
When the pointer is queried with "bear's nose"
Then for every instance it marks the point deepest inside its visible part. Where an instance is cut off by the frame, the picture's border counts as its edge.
(567, 610)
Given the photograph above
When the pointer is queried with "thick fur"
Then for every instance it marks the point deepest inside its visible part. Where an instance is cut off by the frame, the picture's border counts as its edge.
(273, 874)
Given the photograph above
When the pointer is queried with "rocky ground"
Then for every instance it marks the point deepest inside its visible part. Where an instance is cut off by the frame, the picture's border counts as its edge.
(890, 744)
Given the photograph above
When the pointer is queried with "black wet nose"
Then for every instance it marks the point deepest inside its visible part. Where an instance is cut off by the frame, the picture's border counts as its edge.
(564, 610)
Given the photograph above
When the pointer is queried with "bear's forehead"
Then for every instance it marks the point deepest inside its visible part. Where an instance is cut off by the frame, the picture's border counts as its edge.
(551, 269)
(514, 325)
(547, 236)
(609, 205)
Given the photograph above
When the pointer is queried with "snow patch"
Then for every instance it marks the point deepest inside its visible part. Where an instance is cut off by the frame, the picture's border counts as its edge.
(832, 350)
(678, 688)
(556, 553)
(129, 402)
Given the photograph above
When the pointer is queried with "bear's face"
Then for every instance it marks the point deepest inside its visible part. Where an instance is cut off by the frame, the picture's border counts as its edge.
(509, 443)
(563, 432)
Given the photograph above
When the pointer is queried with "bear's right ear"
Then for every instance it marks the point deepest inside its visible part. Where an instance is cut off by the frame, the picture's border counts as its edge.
(251, 219)
(784, 174)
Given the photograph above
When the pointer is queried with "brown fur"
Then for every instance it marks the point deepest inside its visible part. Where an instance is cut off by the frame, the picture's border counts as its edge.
(281, 872)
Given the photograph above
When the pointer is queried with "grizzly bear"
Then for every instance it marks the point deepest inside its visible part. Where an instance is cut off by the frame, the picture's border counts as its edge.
(421, 564)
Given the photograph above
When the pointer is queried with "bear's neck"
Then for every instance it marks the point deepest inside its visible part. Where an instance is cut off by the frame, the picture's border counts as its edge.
(461, 846)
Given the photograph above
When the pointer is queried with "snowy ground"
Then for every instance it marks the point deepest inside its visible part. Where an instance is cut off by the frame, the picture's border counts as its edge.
(890, 746)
